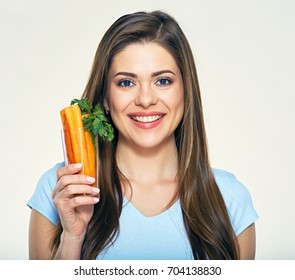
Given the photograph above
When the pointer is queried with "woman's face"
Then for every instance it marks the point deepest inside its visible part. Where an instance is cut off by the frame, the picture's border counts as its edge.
(145, 95)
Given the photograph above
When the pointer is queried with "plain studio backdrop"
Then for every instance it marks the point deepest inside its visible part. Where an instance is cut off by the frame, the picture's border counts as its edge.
(244, 51)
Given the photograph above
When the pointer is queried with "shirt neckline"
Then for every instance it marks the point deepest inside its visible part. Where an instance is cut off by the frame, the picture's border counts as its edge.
(128, 203)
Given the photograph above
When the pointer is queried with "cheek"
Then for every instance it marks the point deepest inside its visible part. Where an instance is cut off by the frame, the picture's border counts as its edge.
(115, 101)
(179, 108)
(178, 102)
(117, 104)
(118, 99)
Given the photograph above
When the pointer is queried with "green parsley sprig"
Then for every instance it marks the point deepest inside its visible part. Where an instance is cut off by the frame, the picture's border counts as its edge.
(94, 121)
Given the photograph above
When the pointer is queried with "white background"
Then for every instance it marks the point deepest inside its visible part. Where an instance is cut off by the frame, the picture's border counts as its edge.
(244, 52)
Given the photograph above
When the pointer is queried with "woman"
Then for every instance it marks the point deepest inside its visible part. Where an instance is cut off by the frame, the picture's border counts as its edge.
(158, 196)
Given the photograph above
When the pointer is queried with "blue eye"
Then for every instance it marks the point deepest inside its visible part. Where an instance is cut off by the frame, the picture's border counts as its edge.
(126, 83)
(163, 82)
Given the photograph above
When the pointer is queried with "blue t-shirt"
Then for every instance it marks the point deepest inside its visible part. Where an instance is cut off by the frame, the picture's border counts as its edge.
(158, 237)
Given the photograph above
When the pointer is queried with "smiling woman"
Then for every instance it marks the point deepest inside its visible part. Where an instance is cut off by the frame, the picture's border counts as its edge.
(159, 196)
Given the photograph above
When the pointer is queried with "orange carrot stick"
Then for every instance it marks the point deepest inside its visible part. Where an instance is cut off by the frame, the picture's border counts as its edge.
(90, 147)
(74, 119)
(67, 137)
(91, 153)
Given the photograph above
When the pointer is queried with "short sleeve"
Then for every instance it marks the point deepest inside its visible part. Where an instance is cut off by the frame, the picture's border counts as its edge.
(41, 199)
(238, 201)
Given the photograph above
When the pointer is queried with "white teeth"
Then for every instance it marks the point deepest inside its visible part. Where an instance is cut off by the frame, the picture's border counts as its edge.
(146, 119)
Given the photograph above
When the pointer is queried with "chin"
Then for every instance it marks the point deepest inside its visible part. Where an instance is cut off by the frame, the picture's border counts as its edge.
(150, 143)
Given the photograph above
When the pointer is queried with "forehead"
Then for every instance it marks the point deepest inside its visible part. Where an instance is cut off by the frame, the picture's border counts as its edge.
(135, 56)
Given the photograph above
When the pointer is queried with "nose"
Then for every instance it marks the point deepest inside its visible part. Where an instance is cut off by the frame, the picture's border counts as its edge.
(145, 97)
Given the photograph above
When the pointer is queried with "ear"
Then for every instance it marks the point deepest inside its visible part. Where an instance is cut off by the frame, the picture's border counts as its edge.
(106, 105)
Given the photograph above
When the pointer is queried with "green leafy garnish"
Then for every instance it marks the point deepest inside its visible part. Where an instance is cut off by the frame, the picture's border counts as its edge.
(94, 121)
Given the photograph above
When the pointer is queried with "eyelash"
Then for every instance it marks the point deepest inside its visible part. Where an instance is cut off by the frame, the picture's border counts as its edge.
(168, 81)
(164, 79)
(120, 83)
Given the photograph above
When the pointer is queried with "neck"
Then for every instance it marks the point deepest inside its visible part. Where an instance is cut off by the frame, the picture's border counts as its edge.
(147, 165)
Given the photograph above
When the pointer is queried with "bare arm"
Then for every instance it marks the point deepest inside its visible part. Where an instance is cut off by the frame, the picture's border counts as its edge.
(247, 243)
(40, 233)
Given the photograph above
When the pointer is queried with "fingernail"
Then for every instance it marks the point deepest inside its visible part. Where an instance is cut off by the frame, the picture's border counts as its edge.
(78, 165)
(95, 199)
(96, 190)
(90, 179)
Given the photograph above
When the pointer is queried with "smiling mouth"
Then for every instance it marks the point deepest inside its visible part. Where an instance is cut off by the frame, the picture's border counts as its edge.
(146, 119)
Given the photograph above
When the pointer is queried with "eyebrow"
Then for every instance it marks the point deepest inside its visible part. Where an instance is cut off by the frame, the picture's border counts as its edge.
(154, 74)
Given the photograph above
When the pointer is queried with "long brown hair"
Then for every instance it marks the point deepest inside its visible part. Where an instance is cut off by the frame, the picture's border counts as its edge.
(204, 212)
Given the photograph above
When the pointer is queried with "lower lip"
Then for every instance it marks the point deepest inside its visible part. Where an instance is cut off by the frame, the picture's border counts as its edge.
(147, 125)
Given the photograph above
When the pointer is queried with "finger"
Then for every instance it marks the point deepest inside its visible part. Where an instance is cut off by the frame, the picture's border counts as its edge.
(82, 200)
(73, 190)
(68, 169)
(66, 206)
(66, 180)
